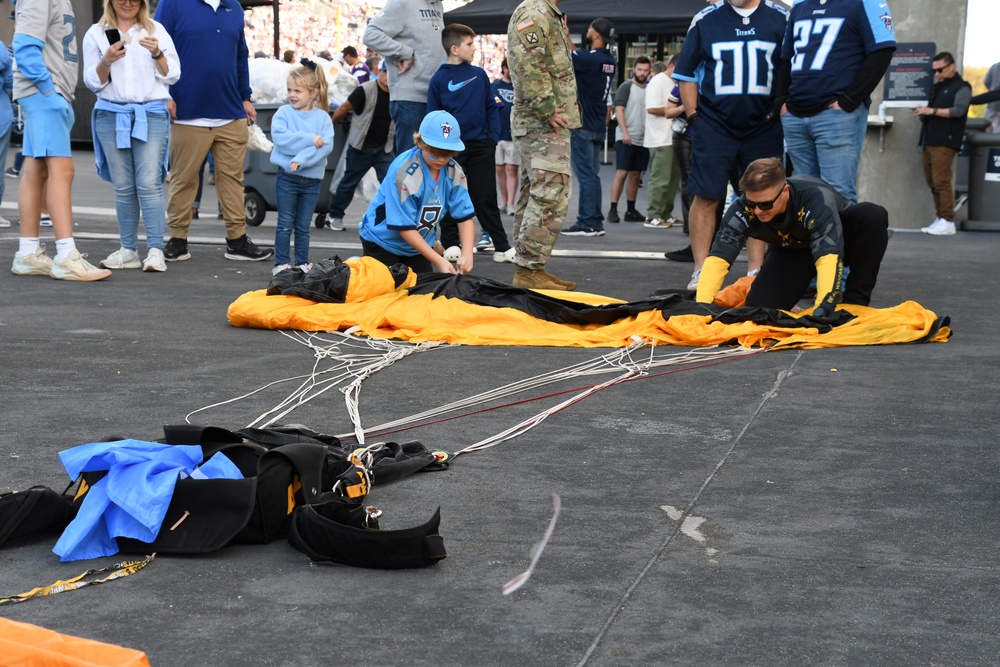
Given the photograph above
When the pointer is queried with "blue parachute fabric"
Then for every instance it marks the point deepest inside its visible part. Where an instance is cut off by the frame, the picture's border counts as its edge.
(132, 499)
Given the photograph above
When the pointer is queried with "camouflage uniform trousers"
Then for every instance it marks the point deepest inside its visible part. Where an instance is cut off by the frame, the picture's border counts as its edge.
(546, 187)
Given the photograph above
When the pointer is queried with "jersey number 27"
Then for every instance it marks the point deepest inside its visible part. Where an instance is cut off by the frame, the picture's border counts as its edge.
(803, 30)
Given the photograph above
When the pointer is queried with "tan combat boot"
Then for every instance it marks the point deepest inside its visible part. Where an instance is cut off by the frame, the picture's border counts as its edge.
(567, 284)
(535, 280)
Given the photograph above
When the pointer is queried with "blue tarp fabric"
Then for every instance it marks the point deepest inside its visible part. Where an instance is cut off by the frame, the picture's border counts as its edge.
(132, 499)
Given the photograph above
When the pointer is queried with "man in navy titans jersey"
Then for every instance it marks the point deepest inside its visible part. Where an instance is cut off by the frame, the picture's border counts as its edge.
(835, 52)
(731, 50)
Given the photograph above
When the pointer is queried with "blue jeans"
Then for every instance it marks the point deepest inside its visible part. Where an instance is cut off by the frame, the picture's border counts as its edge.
(585, 159)
(828, 145)
(407, 116)
(136, 174)
(357, 164)
(297, 197)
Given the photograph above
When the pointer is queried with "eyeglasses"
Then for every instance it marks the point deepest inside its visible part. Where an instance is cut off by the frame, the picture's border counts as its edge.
(765, 205)
(127, 2)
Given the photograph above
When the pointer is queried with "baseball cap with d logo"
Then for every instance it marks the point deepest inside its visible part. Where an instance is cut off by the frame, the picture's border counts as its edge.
(440, 130)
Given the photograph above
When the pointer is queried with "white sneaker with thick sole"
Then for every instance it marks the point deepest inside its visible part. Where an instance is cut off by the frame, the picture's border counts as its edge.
(453, 254)
(45, 221)
(4, 222)
(35, 264)
(693, 283)
(504, 257)
(940, 227)
(154, 261)
(75, 267)
(123, 258)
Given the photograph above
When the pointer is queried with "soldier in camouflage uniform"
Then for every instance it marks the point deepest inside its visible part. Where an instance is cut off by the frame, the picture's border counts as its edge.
(545, 111)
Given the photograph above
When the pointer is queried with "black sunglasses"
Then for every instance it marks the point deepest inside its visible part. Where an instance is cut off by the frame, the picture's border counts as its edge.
(938, 70)
(764, 205)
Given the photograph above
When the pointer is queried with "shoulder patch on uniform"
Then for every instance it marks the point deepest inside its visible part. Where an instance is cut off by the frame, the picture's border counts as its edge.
(530, 37)
(525, 24)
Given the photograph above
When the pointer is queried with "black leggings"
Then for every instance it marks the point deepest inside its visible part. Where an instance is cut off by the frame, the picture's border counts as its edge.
(418, 263)
(785, 274)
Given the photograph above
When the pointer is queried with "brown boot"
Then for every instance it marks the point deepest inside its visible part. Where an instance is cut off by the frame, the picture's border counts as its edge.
(536, 280)
(567, 284)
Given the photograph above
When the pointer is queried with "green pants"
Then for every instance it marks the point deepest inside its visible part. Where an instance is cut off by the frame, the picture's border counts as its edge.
(664, 179)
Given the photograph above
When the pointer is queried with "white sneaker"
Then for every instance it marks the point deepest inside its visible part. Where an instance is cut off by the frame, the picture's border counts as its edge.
(336, 224)
(453, 254)
(35, 264)
(940, 227)
(512, 209)
(504, 257)
(75, 267)
(305, 268)
(123, 258)
(4, 222)
(45, 221)
(279, 268)
(693, 283)
(154, 261)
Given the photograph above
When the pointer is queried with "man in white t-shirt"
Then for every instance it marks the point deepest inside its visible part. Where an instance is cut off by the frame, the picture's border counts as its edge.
(664, 175)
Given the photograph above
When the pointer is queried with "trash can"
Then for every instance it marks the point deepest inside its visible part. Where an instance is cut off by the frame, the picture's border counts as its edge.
(259, 174)
(984, 182)
(962, 163)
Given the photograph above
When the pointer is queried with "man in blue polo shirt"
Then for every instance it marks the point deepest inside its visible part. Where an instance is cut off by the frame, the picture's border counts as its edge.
(594, 67)
(210, 110)
(835, 53)
(731, 50)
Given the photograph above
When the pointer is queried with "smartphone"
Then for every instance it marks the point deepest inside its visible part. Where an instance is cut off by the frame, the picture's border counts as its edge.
(113, 35)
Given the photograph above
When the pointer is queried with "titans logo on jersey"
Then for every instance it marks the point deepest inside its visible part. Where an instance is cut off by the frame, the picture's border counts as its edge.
(733, 58)
(410, 197)
(827, 42)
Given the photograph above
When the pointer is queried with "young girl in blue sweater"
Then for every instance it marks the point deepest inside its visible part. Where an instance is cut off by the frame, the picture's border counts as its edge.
(303, 138)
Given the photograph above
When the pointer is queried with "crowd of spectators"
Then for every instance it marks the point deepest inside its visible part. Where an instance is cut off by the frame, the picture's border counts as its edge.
(308, 27)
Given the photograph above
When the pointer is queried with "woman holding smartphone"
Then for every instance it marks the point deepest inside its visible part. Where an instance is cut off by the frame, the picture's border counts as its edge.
(129, 61)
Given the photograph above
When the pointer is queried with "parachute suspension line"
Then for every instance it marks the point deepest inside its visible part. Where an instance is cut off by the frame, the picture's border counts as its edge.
(352, 392)
(633, 370)
(347, 365)
(612, 362)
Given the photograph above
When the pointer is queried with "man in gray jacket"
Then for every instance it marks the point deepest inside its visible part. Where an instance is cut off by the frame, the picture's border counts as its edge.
(408, 35)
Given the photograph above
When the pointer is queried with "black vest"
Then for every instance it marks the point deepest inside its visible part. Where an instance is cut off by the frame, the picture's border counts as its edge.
(939, 131)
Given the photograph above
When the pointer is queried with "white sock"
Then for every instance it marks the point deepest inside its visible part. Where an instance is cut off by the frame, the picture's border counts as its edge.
(64, 247)
(28, 246)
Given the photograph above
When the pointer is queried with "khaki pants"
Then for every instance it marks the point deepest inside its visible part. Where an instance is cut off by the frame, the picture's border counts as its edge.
(937, 170)
(189, 146)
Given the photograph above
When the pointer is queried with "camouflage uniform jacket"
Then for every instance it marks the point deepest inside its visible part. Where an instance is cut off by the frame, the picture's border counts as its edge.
(541, 68)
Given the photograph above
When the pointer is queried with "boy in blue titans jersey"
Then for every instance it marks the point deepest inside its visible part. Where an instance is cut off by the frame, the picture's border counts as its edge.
(731, 50)
(832, 57)
(594, 67)
(422, 186)
(463, 90)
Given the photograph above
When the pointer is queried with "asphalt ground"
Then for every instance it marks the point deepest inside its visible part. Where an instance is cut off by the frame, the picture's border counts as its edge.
(799, 507)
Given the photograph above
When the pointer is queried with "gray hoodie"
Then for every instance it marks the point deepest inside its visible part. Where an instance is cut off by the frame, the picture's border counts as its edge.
(408, 29)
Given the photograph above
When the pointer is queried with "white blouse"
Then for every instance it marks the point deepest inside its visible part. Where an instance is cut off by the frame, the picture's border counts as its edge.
(135, 77)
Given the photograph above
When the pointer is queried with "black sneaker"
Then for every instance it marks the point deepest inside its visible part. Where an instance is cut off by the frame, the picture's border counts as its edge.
(243, 249)
(682, 255)
(176, 250)
(577, 230)
(634, 216)
(613, 216)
